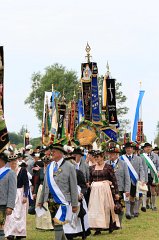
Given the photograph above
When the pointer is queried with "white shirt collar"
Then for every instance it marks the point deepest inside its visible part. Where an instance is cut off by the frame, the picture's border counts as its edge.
(116, 161)
(59, 162)
(130, 155)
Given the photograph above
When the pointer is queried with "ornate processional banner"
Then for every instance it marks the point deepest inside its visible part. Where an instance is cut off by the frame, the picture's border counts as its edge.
(111, 102)
(62, 111)
(4, 138)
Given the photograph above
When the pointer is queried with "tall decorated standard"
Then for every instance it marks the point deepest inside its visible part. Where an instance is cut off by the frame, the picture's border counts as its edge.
(4, 138)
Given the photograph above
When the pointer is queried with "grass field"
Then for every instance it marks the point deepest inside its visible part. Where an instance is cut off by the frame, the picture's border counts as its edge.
(145, 227)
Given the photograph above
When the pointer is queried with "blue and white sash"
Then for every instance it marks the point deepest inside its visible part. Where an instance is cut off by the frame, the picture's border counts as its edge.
(4, 172)
(132, 172)
(57, 195)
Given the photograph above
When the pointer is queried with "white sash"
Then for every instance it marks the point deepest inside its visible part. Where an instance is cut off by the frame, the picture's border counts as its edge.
(58, 196)
(3, 172)
(133, 174)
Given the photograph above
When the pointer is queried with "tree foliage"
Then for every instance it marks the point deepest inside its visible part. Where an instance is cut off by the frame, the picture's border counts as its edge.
(15, 138)
(62, 80)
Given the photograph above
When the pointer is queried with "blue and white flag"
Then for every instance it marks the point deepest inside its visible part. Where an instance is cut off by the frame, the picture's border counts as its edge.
(134, 134)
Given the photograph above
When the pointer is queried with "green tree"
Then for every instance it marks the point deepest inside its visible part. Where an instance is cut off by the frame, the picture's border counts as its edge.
(62, 80)
(22, 131)
(35, 142)
(16, 138)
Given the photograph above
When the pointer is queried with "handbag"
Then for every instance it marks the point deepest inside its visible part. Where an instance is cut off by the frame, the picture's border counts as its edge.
(82, 211)
(118, 207)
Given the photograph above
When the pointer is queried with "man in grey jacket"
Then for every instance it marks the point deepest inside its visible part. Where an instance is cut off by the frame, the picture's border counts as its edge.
(8, 189)
(121, 173)
(137, 165)
(81, 163)
(147, 149)
(64, 176)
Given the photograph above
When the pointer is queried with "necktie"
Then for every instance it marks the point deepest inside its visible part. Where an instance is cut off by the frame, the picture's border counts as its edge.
(129, 157)
(113, 164)
(55, 168)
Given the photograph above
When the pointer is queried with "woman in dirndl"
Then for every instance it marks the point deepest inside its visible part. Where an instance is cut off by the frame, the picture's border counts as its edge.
(15, 225)
(104, 190)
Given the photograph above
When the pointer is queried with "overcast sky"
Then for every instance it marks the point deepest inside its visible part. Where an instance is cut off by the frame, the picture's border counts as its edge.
(38, 33)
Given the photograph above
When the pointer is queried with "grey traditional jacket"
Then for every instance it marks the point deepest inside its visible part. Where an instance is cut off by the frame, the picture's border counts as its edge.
(145, 168)
(85, 169)
(136, 162)
(66, 180)
(155, 159)
(8, 190)
(122, 175)
(30, 163)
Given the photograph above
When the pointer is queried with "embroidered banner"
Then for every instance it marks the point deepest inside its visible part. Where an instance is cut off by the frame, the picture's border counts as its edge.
(4, 138)
(86, 94)
(46, 119)
(111, 133)
(80, 111)
(95, 100)
(53, 107)
(26, 138)
(111, 101)
(72, 120)
(61, 114)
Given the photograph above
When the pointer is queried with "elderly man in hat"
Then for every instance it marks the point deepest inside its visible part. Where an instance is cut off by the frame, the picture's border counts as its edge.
(59, 189)
(152, 162)
(136, 172)
(81, 163)
(121, 173)
(8, 189)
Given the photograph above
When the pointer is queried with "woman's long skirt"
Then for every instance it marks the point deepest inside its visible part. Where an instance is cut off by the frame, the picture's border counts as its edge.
(101, 206)
(15, 223)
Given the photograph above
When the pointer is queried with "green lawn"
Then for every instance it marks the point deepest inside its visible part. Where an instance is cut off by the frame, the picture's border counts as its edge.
(145, 227)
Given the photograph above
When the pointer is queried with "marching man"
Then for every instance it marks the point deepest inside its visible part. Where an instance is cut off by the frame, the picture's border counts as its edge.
(136, 171)
(8, 189)
(59, 189)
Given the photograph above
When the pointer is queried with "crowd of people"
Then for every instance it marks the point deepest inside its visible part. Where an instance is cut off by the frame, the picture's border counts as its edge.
(76, 192)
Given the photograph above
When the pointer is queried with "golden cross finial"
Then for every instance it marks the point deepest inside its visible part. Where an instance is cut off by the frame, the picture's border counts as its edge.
(52, 87)
(88, 49)
(140, 84)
